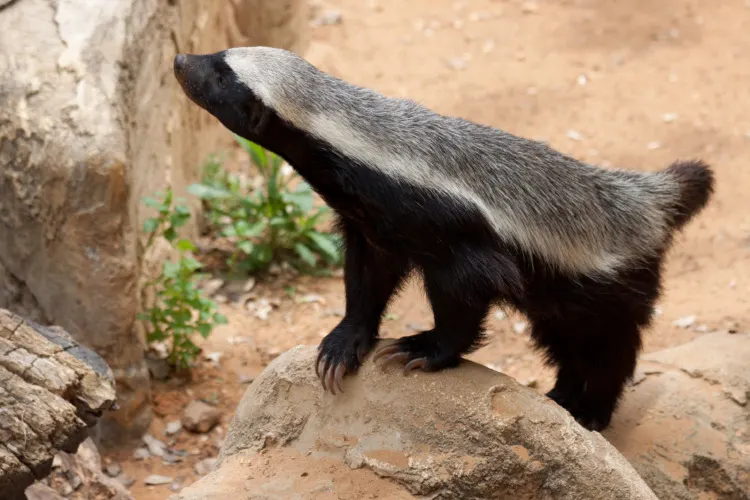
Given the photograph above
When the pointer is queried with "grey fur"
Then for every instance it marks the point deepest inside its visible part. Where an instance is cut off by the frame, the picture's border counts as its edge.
(576, 217)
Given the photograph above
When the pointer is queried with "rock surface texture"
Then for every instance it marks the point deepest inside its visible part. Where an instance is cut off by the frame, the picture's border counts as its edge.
(685, 423)
(78, 476)
(91, 121)
(468, 433)
(51, 391)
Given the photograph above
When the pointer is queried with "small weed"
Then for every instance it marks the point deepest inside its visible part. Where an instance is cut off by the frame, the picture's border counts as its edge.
(266, 223)
(179, 310)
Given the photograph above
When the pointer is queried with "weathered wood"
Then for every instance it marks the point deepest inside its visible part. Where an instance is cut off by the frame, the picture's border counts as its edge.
(51, 390)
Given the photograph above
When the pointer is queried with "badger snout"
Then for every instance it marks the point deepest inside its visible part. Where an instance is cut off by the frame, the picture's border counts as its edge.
(180, 61)
(190, 73)
(180, 66)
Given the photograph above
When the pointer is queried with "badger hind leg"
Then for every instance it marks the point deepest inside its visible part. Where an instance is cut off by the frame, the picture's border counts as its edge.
(592, 335)
(371, 277)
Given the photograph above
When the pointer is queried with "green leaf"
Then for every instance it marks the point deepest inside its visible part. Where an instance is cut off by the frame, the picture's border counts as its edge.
(206, 192)
(245, 246)
(229, 231)
(252, 149)
(220, 319)
(185, 246)
(150, 225)
(171, 269)
(302, 199)
(263, 254)
(170, 234)
(151, 202)
(190, 263)
(325, 244)
(307, 256)
(205, 329)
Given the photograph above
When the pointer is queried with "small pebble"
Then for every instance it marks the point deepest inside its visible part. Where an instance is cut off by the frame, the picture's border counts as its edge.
(328, 19)
(156, 479)
(212, 286)
(173, 427)
(141, 453)
(500, 314)
(245, 379)
(214, 357)
(113, 470)
(205, 466)
(685, 321)
(274, 269)
(653, 145)
(239, 340)
(200, 417)
(249, 285)
(171, 458)
(310, 298)
(126, 481)
(457, 63)
(155, 447)
(669, 117)
(574, 135)
(582, 80)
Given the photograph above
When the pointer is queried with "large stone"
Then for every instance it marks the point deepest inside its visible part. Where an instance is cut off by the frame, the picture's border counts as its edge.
(91, 121)
(685, 424)
(52, 391)
(464, 433)
(78, 476)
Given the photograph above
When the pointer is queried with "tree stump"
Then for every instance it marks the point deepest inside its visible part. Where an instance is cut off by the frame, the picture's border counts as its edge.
(51, 391)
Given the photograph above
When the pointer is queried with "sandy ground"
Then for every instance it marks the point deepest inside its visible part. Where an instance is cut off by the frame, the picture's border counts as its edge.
(632, 84)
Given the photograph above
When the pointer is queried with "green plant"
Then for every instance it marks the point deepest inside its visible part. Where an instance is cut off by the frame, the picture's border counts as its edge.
(179, 310)
(268, 222)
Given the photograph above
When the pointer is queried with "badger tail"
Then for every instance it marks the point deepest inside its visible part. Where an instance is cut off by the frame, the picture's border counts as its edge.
(695, 181)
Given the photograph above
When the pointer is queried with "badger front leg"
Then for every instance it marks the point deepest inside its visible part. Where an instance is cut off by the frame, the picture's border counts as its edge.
(370, 279)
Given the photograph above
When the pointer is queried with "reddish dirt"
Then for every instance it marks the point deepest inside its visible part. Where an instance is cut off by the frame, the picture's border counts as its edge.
(630, 84)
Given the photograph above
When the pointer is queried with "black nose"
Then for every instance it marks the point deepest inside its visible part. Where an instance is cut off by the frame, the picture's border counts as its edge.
(180, 61)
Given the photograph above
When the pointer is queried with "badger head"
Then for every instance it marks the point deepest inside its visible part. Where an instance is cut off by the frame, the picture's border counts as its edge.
(246, 87)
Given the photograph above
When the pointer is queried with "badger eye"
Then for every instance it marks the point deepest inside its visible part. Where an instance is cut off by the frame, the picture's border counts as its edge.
(222, 81)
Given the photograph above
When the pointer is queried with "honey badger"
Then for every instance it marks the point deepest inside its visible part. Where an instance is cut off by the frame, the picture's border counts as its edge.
(485, 217)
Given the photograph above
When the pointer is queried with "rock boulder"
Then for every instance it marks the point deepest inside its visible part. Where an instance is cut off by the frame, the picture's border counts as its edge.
(91, 121)
(464, 433)
(685, 423)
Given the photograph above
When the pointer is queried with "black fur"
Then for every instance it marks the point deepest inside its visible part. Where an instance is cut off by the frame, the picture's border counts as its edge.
(589, 329)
